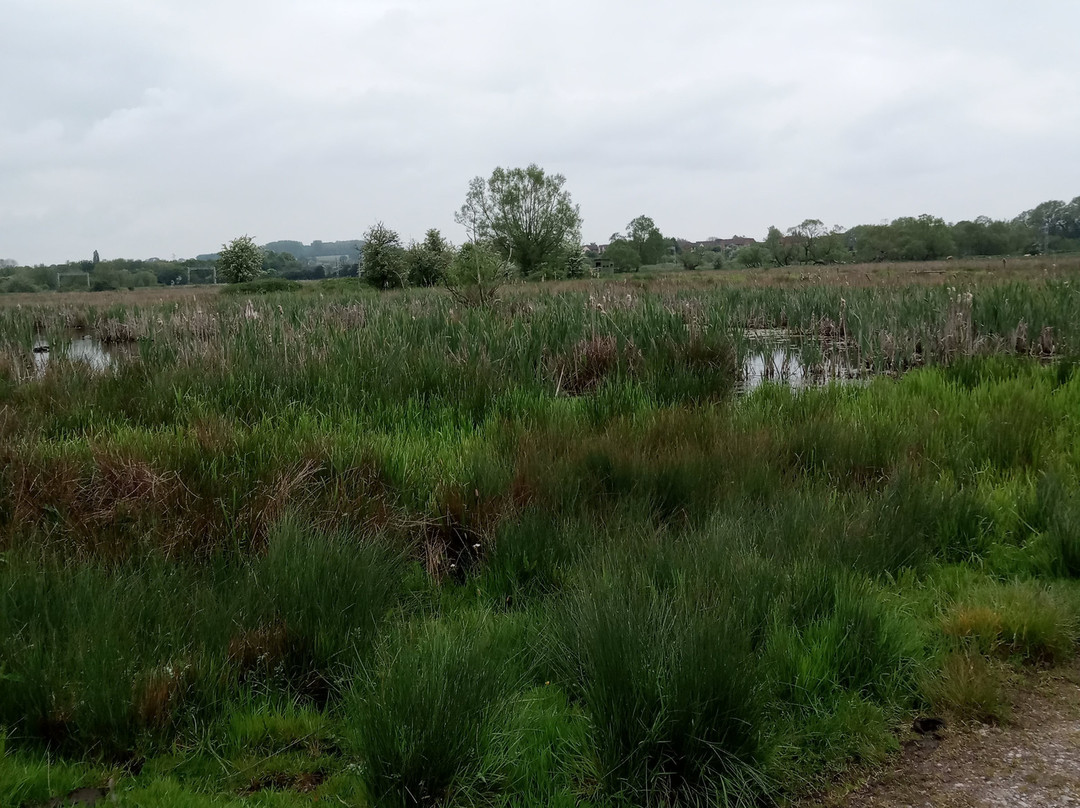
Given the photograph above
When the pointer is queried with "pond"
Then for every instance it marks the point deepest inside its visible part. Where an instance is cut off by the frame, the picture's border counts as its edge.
(82, 348)
(780, 356)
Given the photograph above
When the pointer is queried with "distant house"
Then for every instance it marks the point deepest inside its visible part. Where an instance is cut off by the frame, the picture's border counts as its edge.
(723, 243)
(716, 243)
(329, 261)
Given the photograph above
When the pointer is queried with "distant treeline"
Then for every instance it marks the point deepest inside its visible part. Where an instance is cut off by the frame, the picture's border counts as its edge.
(125, 273)
(1053, 226)
(308, 253)
(118, 273)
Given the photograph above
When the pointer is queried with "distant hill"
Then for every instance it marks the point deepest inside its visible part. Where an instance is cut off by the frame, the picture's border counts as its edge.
(306, 252)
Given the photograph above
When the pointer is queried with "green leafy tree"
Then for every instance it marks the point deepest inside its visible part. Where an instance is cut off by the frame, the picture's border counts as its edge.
(280, 263)
(808, 233)
(476, 273)
(691, 259)
(984, 236)
(923, 238)
(525, 214)
(647, 239)
(1053, 225)
(623, 255)
(383, 263)
(752, 256)
(428, 261)
(814, 243)
(576, 264)
(240, 260)
(780, 251)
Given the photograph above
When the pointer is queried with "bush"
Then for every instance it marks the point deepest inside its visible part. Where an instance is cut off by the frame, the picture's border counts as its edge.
(240, 260)
(17, 286)
(262, 286)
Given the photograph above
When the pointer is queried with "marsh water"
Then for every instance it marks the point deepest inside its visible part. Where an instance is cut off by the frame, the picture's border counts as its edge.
(780, 356)
(83, 348)
(768, 355)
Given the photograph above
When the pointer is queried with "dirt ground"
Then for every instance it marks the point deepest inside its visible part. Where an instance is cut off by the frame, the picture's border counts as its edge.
(1033, 761)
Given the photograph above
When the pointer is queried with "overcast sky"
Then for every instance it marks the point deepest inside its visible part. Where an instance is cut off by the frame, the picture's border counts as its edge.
(165, 127)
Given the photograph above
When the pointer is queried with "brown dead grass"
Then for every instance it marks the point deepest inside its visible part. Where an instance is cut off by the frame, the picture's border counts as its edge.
(926, 273)
(930, 273)
(589, 364)
(143, 296)
(159, 693)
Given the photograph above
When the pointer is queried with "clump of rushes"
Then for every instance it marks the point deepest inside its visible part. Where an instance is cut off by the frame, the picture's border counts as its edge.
(591, 362)
(422, 714)
(1023, 620)
(834, 633)
(118, 659)
(968, 686)
(314, 602)
(669, 691)
(93, 659)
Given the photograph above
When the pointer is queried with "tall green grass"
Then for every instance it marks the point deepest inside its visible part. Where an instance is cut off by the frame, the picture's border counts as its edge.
(669, 689)
(540, 553)
(423, 714)
(118, 659)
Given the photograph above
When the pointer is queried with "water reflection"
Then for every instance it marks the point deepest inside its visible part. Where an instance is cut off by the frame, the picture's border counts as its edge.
(776, 355)
(85, 349)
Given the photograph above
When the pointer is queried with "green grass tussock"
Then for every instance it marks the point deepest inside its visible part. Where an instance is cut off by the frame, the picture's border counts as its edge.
(423, 714)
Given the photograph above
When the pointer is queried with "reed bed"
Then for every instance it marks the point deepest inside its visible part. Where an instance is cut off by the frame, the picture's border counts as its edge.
(376, 548)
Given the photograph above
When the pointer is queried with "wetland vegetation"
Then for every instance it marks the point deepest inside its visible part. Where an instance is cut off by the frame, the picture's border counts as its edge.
(333, 545)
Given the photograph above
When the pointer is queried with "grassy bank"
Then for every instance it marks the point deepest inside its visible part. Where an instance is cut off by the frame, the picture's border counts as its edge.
(328, 544)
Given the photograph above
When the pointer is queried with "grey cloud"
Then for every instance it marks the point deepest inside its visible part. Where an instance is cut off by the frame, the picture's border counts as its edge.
(142, 127)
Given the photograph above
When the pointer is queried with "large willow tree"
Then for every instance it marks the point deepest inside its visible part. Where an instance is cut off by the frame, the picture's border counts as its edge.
(525, 214)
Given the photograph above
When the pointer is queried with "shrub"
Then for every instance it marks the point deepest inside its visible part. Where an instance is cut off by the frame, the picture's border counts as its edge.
(262, 286)
(17, 286)
(240, 260)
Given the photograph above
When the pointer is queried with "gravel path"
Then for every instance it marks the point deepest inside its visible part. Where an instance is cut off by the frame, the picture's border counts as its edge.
(1031, 762)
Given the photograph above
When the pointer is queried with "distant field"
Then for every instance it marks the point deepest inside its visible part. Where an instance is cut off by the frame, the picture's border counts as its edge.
(666, 539)
(144, 295)
(877, 274)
